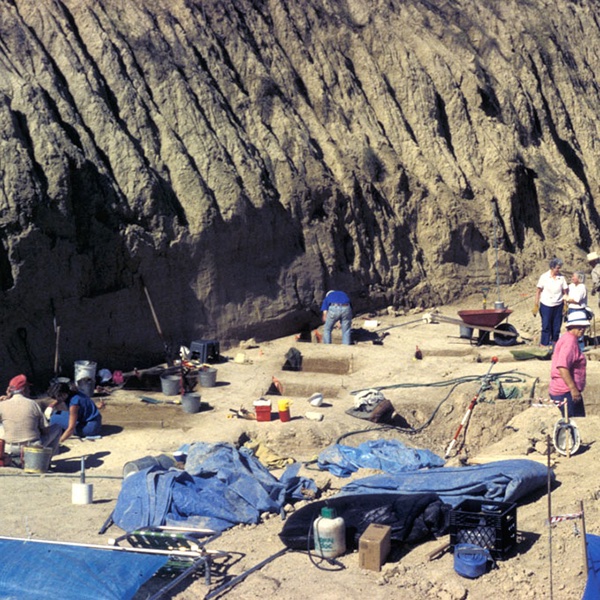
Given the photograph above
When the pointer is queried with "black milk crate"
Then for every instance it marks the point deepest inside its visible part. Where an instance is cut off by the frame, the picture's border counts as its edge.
(489, 524)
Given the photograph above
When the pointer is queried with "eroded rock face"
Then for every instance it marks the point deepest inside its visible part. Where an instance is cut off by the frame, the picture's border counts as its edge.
(239, 158)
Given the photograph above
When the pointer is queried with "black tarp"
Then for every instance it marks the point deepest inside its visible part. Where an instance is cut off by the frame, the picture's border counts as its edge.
(412, 517)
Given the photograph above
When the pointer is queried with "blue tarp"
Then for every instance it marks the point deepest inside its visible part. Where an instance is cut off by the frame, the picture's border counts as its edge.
(391, 456)
(502, 481)
(221, 487)
(592, 588)
(31, 570)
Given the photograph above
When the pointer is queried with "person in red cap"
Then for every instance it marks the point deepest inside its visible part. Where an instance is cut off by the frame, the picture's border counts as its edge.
(17, 384)
(24, 422)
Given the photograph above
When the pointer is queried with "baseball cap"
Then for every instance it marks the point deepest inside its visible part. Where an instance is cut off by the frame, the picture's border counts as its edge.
(17, 383)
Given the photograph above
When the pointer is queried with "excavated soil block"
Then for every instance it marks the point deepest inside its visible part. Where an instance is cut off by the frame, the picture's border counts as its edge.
(305, 390)
(336, 366)
(144, 416)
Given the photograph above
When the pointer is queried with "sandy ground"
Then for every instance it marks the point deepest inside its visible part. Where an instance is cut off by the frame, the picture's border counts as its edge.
(500, 428)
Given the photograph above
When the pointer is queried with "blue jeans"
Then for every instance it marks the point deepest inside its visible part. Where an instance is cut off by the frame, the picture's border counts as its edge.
(551, 322)
(576, 409)
(335, 313)
(81, 429)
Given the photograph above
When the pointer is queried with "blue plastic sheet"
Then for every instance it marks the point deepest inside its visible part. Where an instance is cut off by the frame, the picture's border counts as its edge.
(592, 588)
(391, 456)
(221, 487)
(502, 481)
(31, 570)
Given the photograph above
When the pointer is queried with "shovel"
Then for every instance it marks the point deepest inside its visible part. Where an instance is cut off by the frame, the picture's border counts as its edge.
(149, 400)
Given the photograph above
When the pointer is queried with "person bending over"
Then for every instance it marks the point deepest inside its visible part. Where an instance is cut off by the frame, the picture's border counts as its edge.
(82, 416)
(336, 307)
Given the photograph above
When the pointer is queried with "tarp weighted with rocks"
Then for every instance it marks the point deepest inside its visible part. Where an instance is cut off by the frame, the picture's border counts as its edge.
(221, 487)
(390, 456)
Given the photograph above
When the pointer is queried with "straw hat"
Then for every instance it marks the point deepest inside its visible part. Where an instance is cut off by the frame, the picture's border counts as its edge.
(593, 256)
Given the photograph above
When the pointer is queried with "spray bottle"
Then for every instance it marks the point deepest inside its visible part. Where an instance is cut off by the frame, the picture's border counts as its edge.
(329, 534)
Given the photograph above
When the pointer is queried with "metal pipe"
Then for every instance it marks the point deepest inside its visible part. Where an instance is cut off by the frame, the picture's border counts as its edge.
(470, 408)
(245, 574)
(549, 490)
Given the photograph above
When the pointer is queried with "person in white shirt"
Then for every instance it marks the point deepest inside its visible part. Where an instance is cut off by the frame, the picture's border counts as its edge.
(577, 300)
(577, 293)
(550, 293)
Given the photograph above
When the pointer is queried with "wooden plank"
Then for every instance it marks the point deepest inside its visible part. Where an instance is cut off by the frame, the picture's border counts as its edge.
(489, 458)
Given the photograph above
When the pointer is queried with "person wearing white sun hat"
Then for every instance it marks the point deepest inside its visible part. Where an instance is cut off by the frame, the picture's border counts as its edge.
(568, 369)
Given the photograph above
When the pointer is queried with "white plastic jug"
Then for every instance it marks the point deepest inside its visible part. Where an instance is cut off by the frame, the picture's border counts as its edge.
(329, 532)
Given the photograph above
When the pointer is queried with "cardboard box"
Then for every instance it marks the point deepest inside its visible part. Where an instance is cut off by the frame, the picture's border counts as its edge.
(374, 546)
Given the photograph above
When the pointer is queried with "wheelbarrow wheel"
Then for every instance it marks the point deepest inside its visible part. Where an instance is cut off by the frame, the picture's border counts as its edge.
(505, 340)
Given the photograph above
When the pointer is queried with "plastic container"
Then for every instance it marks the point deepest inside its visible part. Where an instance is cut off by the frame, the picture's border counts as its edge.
(207, 376)
(190, 402)
(170, 384)
(486, 523)
(329, 533)
(162, 460)
(262, 408)
(36, 459)
(471, 560)
(283, 406)
(316, 399)
(82, 493)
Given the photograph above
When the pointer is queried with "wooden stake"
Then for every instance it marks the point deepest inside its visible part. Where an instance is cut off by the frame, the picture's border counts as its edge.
(439, 551)
(585, 556)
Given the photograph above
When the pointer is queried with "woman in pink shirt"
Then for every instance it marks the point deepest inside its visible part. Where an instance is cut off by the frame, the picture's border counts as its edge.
(567, 373)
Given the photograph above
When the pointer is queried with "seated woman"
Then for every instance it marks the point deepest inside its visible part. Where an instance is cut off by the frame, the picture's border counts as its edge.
(82, 416)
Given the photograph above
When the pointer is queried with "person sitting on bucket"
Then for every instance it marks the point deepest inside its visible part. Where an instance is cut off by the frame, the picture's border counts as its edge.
(336, 307)
(568, 369)
(24, 422)
(82, 416)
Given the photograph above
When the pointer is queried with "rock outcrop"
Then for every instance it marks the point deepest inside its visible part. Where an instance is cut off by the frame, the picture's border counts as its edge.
(237, 158)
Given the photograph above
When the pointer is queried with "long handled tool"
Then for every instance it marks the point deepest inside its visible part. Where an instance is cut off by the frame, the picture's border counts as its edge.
(56, 349)
(472, 404)
(157, 324)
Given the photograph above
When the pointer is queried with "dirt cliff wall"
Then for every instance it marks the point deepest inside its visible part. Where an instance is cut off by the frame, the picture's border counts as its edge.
(241, 157)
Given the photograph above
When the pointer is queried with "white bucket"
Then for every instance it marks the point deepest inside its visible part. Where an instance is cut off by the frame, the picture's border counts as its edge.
(85, 376)
(82, 493)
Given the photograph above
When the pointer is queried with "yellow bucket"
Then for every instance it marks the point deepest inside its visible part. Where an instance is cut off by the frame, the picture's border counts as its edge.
(283, 406)
(36, 459)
